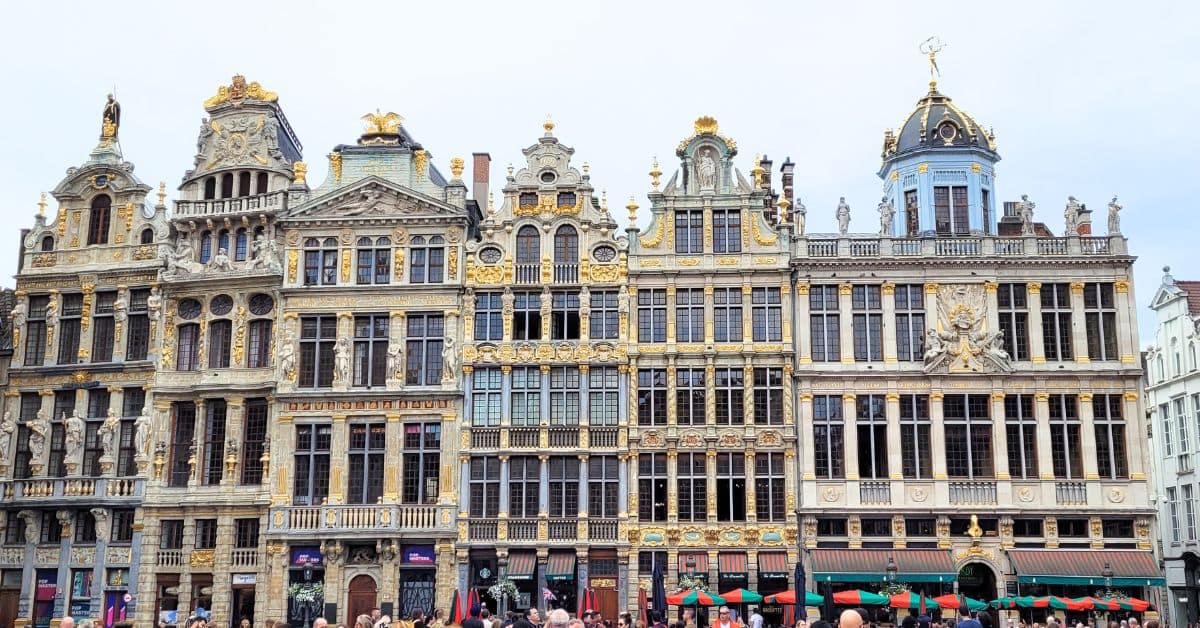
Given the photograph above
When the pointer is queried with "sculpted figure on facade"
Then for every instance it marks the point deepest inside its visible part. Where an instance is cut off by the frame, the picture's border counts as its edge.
(449, 360)
(341, 360)
(960, 342)
(887, 217)
(19, 314)
(73, 439)
(39, 430)
(266, 255)
(1114, 217)
(8, 428)
(395, 358)
(287, 354)
(121, 307)
(52, 313)
(108, 432)
(182, 259)
(221, 261)
(103, 523)
(706, 170)
(1071, 216)
(154, 302)
(33, 523)
(843, 216)
(1025, 209)
(141, 433)
(801, 214)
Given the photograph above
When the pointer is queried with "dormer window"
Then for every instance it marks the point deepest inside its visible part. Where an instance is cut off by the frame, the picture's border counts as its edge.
(101, 216)
(548, 177)
(946, 132)
(147, 236)
(47, 244)
(566, 199)
(528, 200)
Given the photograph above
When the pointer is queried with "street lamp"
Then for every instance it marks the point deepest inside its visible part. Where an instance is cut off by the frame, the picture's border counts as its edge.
(1107, 574)
(308, 606)
(891, 569)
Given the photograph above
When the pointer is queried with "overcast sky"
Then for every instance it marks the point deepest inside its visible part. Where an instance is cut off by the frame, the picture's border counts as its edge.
(1086, 98)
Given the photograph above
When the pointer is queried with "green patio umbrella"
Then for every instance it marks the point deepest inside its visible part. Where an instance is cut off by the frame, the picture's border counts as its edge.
(858, 597)
(692, 597)
(742, 596)
(789, 597)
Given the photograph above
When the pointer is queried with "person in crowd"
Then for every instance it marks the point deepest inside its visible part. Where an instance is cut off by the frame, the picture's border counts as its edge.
(558, 618)
(437, 621)
(319, 622)
(968, 621)
(472, 620)
(534, 616)
(485, 616)
(756, 618)
(725, 618)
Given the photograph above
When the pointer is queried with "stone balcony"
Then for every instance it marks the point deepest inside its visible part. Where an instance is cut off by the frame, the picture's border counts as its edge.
(545, 530)
(819, 246)
(259, 203)
(359, 520)
(520, 438)
(74, 491)
(1034, 494)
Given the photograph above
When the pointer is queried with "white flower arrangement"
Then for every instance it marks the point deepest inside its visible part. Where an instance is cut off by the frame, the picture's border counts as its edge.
(308, 593)
(503, 589)
(692, 583)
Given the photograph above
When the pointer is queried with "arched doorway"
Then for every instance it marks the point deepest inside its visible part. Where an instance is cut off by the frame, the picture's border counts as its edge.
(978, 581)
(360, 597)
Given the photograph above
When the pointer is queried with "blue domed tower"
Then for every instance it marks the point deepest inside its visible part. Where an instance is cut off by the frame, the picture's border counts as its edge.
(938, 171)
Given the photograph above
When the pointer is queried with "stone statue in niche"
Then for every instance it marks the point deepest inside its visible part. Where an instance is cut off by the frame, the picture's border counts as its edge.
(1025, 214)
(801, 214)
(110, 120)
(19, 314)
(183, 258)
(8, 429)
(73, 439)
(843, 216)
(341, 360)
(221, 261)
(39, 430)
(108, 433)
(1114, 218)
(121, 308)
(449, 360)
(395, 358)
(287, 354)
(887, 217)
(706, 170)
(141, 433)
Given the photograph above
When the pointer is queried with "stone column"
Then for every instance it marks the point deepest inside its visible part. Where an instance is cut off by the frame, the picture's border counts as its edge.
(196, 455)
(397, 329)
(931, 310)
(787, 307)
(222, 571)
(464, 486)
(545, 393)
(623, 488)
(505, 478)
(672, 409)
(895, 447)
(1033, 299)
(234, 421)
(808, 460)
(711, 478)
(751, 492)
(582, 521)
(747, 313)
(544, 487)
(803, 324)
(339, 441)
(120, 326)
(345, 332)
(888, 292)
(1087, 436)
(850, 438)
(673, 485)
(38, 464)
(1078, 328)
(937, 433)
(999, 437)
(585, 403)
(790, 485)
(283, 442)
(846, 322)
(747, 393)
(671, 312)
(52, 329)
(392, 445)
(116, 399)
(1134, 437)
(1126, 324)
(18, 330)
(1041, 412)
(85, 323)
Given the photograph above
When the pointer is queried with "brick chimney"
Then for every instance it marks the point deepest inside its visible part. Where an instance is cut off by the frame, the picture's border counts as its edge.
(787, 180)
(481, 168)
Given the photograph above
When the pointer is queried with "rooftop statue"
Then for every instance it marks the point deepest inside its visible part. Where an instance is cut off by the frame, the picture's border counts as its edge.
(1114, 216)
(843, 216)
(110, 120)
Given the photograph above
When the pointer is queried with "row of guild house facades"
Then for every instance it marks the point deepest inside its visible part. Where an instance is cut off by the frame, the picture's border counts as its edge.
(402, 384)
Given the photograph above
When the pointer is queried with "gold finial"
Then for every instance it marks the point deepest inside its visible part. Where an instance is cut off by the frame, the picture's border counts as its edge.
(162, 193)
(42, 206)
(548, 125)
(931, 47)
(300, 169)
(239, 90)
(784, 206)
(757, 171)
(456, 167)
(382, 123)
(655, 173)
(632, 207)
(974, 530)
(706, 125)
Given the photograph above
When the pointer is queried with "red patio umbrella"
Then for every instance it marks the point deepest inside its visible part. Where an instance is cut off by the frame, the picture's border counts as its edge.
(457, 612)
(858, 597)
(743, 596)
(692, 597)
(911, 600)
(643, 606)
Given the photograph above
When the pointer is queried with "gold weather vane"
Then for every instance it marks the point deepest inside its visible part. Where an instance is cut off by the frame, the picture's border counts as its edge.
(382, 123)
(931, 47)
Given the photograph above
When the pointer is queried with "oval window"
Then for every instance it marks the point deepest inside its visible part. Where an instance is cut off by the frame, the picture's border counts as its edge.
(189, 309)
(490, 255)
(261, 304)
(221, 304)
(604, 254)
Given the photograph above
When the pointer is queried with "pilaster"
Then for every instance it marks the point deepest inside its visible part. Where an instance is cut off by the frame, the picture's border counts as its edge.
(1037, 348)
(888, 298)
(1078, 328)
(846, 324)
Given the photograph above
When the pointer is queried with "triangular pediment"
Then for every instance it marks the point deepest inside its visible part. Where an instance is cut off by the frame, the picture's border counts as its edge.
(1165, 294)
(373, 197)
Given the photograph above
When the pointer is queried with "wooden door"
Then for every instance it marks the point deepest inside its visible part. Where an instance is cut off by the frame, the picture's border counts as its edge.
(361, 597)
(606, 603)
(9, 601)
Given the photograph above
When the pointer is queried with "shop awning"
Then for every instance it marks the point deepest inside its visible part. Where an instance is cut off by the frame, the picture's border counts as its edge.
(731, 564)
(870, 565)
(521, 564)
(561, 566)
(1129, 567)
(772, 564)
(701, 564)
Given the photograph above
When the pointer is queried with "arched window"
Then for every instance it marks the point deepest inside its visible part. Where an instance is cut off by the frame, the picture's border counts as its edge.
(1178, 359)
(329, 254)
(187, 351)
(210, 188)
(47, 244)
(223, 241)
(227, 185)
(262, 183)
(566, 245)
(428, 260)
(205, 246)
(1192, 356)
(529, 245)
(244, 184)
(147, 236)
(374, 260)
(1161, 368)
(101, 215)
(240, 245)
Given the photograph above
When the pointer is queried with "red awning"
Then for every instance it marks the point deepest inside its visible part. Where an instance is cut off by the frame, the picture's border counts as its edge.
(701, 566)
(731, 563)
(521, 564)
(1129, 567)
(774, 563)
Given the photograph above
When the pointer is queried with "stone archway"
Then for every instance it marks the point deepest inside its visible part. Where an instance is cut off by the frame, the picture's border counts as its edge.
(977, 580)
(362, 595)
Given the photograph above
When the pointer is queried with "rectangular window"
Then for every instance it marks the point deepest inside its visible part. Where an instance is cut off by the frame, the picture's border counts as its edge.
(245, 533)
(769, 487)
(731, 486)
(424, 351)
(1173, 507)
(1181, 424)
(187, 357)
(689, 316)
(1013, 308)
(604, 317)
(85, 527)
(1189, 509)
(182, 440)
(915, 449)
(484, 481)
(171, 535)
(652, 315)
(366, 454)
(1065, 441)
(871, 422)
(374, 262)
(524, 478)
(1056, 321)
(1020, 426)
(768, 396)
(691, 482)
(51, 528)
(122, 526)
(427, 262)
(220, 337)
(133, 400)
(986, 203)
(35, 331)
(1164, 412)
(910, 323)
(968, 428)
(652, 397)
(527, 316)
(564, 486)
(486, 389)
(689, 231)
(526, 396)
(259, 353)
(828, 442)
(64, 406)
(604, 395)
(867, 308)
(824, 323)
(254, 441)
(97, 411)
(727, 314)
(564, 316)
(422, 462)
(1100, 321)
(689, 396)
(1112, 463)
(31, 404)
(564, 395)
(912, 222)
(603, 486)
(727, 230)
(103, 326)
(317, 337)
(68, 328)
(137, 344)
(730, 387)
(311, 486)
(652, 487)
(950, 210)
(489, 316)
(767, 321)
(214, 441)
(370, 350)
(206, 533)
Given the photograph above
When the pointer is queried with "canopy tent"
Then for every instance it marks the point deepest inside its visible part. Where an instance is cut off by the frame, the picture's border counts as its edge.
(870, 565)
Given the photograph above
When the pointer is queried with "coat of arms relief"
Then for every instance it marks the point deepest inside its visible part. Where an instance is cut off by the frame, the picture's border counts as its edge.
(960, 341)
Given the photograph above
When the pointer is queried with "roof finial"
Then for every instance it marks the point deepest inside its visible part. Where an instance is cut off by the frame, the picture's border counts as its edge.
(931, 47)
(655, 173)
(548, 125)
(632, 207)
(162, 193)
(42, 206)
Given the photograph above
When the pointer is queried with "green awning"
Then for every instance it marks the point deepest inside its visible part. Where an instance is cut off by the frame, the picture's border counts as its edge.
(520, 565)
(1130, 568)
(561, 566)
(870, 565)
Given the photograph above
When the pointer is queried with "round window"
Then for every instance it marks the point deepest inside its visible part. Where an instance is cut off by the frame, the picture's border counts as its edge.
(947, 131)
(490, 255)
(189, 309)
(261, 304)
(604, 254)
(221, 304)
(548, 177)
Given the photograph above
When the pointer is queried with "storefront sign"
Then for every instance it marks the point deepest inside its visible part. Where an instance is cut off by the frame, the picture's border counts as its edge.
(302, 555)
(244, 578)
(419, 555)
(47, 586)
